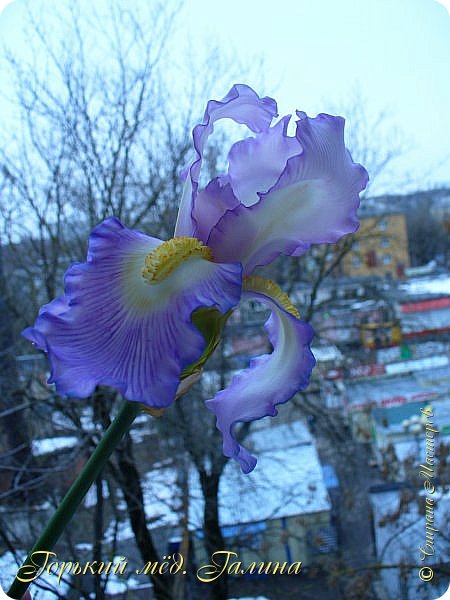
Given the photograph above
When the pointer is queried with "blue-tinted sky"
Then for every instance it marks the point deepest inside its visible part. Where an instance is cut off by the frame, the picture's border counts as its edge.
(316, 52)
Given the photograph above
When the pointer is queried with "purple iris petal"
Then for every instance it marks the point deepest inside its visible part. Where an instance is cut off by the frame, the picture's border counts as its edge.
(55, 308)
(244, 106)
(314, 201)
(211, 204)
(113, 328)
(270, 380)
(256, 163)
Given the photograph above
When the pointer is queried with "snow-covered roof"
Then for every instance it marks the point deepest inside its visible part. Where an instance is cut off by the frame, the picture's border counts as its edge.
(419, 350)
(425, 320)
(268, 435)
(427, 285)
(402, 388)
(287, 480)
(326, 353)
(419, 364)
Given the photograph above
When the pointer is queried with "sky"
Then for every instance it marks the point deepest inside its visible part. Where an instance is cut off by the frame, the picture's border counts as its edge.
(316, 53)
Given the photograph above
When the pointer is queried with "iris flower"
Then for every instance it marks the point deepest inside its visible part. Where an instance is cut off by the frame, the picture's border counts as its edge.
(134, 316)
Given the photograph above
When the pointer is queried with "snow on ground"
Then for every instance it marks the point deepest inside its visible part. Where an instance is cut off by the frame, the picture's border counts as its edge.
(250, 598)
(90, 499)
(120, 531)
(162, 500)
(121, 584)
(162, 497)
(398, 539)
(116, 583)
(49, 445)
(61, 421)
(9, 566)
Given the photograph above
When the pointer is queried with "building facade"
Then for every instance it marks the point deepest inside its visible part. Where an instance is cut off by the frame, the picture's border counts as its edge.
(380, 248)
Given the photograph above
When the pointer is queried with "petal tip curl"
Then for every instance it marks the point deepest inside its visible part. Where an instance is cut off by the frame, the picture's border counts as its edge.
(270, 380)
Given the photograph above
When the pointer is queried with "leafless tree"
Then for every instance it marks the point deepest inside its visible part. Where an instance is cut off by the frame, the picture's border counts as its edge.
(100, 129)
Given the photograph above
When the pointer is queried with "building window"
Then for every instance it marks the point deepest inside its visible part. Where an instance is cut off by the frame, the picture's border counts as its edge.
(371, 258)
(356, 262)
(385, 242)
(387, 259)
(383, 225)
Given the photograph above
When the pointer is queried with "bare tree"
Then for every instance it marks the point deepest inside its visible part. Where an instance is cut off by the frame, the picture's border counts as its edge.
(100, 131)
(95, 139)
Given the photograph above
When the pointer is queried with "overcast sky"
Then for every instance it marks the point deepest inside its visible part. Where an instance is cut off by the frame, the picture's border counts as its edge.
(316, 52)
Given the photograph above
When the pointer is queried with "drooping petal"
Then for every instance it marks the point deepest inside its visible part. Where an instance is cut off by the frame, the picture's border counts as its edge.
(114, 328)
(314, 201)
(242, 105)
(256, 163)
(271, 379)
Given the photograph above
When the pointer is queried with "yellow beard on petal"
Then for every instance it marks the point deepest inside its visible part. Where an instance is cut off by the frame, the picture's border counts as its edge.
(268, 287)
(169, 255)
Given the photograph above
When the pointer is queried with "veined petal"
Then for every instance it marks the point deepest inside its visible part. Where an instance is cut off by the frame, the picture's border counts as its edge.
(314, 201)
(242, 105)
(256, 163)
(114, 328)
(271, 379)
(211, 204)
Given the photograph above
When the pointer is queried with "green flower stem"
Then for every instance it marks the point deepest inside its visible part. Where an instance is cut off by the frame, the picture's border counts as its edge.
(73, 498)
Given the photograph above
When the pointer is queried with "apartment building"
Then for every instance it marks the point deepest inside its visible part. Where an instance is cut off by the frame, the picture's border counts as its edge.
(380, 248)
